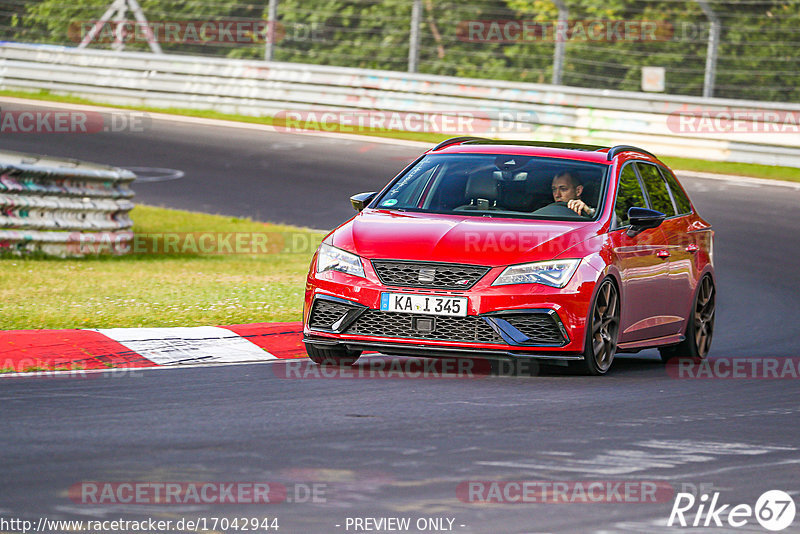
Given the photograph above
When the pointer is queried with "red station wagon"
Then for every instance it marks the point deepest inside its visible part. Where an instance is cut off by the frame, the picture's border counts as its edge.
(516, 250)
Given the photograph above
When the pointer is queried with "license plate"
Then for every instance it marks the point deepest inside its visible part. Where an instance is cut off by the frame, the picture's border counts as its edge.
(425, 304)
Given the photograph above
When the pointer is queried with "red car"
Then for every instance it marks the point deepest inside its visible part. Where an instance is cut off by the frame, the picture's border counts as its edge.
(515, 249)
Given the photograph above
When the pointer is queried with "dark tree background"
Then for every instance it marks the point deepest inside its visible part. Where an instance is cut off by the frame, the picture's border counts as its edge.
(758, 56)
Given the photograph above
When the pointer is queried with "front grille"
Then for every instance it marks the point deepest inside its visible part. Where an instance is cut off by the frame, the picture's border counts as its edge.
(445, 275)
(539, 327)
(389, 324)
(325, 313)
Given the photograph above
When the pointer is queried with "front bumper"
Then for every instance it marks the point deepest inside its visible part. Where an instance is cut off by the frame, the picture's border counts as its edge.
(530, 320)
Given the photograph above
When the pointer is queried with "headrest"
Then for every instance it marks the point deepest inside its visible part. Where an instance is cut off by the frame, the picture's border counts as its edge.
(483, 185)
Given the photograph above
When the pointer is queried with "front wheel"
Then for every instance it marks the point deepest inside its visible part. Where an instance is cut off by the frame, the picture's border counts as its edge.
(338, 356)
(700, 329)
(602, 330)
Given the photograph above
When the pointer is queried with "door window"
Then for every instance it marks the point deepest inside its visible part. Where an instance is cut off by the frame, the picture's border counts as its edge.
(629, 195)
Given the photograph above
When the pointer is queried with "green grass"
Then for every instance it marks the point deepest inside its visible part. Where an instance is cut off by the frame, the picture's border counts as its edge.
(688, 164)
(157, 290)
(773, 172)
(41, 368)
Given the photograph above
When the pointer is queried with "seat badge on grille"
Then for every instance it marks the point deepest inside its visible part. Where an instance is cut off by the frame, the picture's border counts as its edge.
(426, 275)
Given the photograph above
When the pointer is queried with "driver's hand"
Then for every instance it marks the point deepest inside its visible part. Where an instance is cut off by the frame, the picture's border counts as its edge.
(578, 206)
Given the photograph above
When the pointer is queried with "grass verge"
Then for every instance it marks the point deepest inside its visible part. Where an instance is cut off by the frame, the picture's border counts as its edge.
(688, 164)
(181, 288)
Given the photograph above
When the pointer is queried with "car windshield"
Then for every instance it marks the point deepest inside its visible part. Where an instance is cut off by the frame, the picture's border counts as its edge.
(494, 185)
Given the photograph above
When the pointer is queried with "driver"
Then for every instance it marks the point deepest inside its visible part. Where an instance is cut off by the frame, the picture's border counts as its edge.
(567, 188)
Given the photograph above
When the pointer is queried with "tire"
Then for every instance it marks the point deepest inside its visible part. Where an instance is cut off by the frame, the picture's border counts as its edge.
(602, 331)
(700, 328)
(338, 356)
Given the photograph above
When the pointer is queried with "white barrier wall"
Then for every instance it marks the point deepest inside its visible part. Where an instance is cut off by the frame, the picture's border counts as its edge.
(757, 132)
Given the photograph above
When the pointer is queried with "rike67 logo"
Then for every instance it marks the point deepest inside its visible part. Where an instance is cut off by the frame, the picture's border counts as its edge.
(774, 510)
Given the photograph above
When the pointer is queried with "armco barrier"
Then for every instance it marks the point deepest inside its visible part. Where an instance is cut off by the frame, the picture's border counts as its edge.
(53, 205)
(515, 110)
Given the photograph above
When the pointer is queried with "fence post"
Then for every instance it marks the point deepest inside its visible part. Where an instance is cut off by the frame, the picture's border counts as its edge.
(413, 39)
(272, 21)
(118, 9)
(713, 46)
(560, 35)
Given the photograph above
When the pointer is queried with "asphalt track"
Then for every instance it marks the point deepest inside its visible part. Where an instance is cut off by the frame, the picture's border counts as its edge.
(401, 447)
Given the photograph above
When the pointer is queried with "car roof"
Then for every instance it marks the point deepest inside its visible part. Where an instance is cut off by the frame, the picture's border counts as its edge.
(573, 151)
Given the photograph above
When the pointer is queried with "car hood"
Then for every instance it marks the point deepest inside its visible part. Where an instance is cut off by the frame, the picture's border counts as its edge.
(381, 234)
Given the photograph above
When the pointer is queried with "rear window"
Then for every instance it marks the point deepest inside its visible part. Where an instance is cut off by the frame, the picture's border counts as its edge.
(656, 189)
(492, 185)
(681, 200)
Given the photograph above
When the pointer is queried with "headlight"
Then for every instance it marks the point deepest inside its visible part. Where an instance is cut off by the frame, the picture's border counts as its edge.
(554, 273)
(334, 259)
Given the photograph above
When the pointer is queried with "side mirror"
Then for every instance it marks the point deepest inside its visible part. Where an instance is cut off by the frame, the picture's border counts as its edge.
(642, 219)
(361, 200)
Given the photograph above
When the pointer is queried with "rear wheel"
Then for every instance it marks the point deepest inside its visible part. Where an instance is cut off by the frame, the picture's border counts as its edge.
(700, 329)
(602, 330)
(332, 356)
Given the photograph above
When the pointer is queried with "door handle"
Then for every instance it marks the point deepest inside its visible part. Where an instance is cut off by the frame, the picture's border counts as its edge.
(663, 254)
(691, 247)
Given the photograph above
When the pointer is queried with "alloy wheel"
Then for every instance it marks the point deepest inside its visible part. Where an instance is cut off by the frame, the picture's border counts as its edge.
(704, 317)
(605, 326)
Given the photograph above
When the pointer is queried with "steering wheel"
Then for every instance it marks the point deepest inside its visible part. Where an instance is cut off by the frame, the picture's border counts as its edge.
(556, 209)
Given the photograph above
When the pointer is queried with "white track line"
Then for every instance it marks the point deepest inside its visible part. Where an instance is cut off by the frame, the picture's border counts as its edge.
(133, 370)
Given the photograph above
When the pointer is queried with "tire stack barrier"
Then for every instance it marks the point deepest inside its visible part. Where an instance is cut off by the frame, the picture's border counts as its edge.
(63, 207)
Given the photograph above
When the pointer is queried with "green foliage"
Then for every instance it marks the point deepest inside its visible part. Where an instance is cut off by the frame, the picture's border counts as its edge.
(757, 56)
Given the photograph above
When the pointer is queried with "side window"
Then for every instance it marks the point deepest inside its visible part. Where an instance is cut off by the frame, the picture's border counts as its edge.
(681, 200)
(656, 189)
(629, 194)
(408, 190)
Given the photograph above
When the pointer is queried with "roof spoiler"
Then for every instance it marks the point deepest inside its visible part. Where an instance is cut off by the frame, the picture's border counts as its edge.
(456, 140)
(614, 150)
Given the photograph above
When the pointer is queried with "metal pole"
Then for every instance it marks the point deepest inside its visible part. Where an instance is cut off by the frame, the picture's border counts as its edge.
(413, 39)
(272, 22)
(117, 10)
(115, 6)
(560, 35)
(119, 19)
(713, 46)
(140, 18)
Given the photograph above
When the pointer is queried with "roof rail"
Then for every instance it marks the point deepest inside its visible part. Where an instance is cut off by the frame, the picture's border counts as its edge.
(544, 144)
(614, 150)
(454, 140)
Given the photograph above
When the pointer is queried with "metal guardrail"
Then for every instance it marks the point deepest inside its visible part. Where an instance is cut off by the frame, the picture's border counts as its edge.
(514, 110)
(56, 206)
